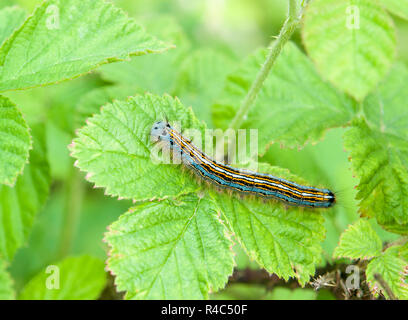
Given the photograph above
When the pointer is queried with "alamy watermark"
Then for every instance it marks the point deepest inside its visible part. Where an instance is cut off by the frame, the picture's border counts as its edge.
(352, 17)
(353, 280)
(52, 21)
(234, 147)
(52, 282)
(350, 285)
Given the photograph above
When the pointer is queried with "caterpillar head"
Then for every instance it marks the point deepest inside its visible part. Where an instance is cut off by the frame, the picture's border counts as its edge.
(160, 131)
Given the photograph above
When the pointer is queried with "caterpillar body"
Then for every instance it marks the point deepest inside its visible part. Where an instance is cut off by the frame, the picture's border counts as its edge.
(263, 185)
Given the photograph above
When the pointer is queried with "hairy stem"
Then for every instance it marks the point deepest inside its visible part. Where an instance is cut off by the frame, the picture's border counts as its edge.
(385, 286)
(291, 23)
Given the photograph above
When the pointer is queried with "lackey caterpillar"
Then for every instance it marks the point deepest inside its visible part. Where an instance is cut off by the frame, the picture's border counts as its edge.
(263, 185)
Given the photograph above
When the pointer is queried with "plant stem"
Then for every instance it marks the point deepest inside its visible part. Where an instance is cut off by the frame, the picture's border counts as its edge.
(291, 23)
(385, 286)
(398, 242)
(72, 209)
(292, 8)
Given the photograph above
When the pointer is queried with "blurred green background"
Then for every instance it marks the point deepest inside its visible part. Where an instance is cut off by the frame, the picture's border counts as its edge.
(230, 28)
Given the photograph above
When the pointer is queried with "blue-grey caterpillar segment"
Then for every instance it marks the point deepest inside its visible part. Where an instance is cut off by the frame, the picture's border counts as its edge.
(264, 185)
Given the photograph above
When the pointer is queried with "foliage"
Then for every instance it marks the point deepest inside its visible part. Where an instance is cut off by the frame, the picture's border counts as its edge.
(114, 148)
(284, 242)
(392, 268)
(360, 241)
(78, 277)
(378, 149)
(178, 249)
(347, 40)
(20, 204)
(179, 238)
(15, 142)
(56, 43)
(6, 286)
(286, 102)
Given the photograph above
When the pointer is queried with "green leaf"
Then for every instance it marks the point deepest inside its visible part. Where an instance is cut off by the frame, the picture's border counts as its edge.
(58, 42)
(379, 153)
(170, 249)
(283, 241)
(380, 161)
(201, 79)
(74, 278)
(403, 251)
(152, 73)
(15, 142)
(397, 7)
(6, 283)
(44, 243)
(385, 109)
(19, 205)
(356, 46)
(392, 270)
(359, 241)
(115, 148)
(10, 19)
(293, 95)
(324, 164)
